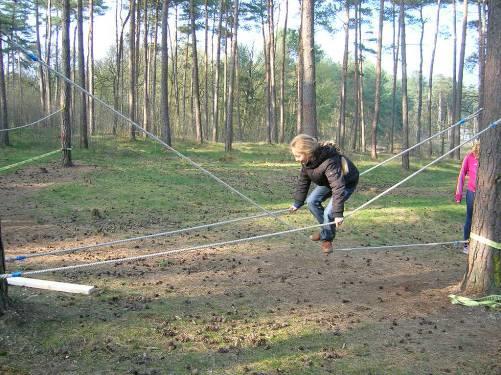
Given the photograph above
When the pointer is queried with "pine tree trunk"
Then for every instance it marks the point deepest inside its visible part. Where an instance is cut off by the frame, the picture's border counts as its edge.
(481, 56)
(344, 73)
(282, 78)
(271, 54)
(4, 291)
(299, 76)
(442, 118)
(361, 83)
(84, 141)
(420, 81)
(215, 94)
(455, 118)
(206, 72)
(48, 45)
(459, 88)
(90, 78)
(146, 72)
(405, 105)
(430, 81)
(166, 132)
(229, 111)
(195, 77)
(377, 98)
(267, 93)
(395, 49)
(132, 67)
(65, 102)
(309, 85)
(356, 90)
(41, 75)
(4, 118)
(483, 273)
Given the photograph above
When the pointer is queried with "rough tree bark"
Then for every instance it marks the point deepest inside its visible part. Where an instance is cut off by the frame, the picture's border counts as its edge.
(483, 273)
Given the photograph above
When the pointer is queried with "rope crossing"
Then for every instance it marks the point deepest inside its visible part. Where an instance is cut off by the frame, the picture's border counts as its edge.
(32, 123)
(279, 212)
(268, 235)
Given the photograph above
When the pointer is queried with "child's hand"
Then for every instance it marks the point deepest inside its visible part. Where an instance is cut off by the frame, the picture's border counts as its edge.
(458, 198)
(292, 209)
(338, 221)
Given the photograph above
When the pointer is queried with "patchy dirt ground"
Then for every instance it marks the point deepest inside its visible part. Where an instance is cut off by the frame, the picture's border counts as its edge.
(267, 307)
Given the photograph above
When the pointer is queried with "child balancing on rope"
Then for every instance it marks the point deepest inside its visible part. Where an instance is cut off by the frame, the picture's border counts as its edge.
(335, 176)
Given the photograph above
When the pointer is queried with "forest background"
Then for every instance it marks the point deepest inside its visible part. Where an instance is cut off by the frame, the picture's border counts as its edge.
(265, 100)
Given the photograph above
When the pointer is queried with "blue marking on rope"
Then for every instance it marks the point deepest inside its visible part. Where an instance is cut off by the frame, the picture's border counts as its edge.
(20, 257)
(461, 122)
(16, 274)
(494, 124)
(32, 56)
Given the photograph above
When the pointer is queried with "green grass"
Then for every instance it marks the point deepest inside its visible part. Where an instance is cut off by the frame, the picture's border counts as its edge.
(144, 187)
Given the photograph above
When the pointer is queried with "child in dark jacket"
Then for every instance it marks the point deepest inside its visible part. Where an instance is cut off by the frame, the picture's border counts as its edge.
(335, 176)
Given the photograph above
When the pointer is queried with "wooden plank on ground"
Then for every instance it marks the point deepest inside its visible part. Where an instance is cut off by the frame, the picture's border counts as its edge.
(51, 285)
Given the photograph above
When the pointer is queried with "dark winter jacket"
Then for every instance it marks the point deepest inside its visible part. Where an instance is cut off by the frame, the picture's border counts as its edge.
(325, 169)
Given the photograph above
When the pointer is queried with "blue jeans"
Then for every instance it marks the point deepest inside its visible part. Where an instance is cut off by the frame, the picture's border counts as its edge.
(470, 198)
(314, 202)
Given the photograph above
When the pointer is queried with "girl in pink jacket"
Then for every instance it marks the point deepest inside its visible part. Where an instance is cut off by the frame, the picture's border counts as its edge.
(469, 168)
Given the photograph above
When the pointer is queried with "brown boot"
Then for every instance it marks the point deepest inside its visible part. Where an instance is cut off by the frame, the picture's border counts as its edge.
(327, 247)
(315, 236)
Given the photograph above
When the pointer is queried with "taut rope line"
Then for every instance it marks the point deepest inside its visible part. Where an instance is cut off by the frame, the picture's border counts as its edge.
(253, 238)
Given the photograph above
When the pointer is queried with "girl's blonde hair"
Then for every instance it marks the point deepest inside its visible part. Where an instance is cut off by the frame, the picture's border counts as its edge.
(476, 148)
(304, 144)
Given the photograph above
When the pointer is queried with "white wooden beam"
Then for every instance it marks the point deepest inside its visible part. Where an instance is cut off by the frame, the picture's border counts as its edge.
(51, 285)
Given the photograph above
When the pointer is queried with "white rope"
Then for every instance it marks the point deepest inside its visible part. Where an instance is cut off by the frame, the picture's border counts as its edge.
(248, 239)
(35, 58)
(161, 234)
(460, 122)
(32, 123)
(491, 126)
(217, 244)
(147, 236)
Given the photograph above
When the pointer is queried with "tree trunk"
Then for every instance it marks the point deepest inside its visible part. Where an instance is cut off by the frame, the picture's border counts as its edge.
(132, 67)
(452, 139)
(195, 75)
(215, 94)
(229, 111)
(4, 118)
(271, 54)
(442, 118)
(342, 98)
(84, 141)
(41, 75)
(4, 291)
(459, 88)
(309, 85)
(300, 77)
(206, 71)
(166, 132)
(405, 105)
(48, 45)
(395, 49)
(377, 97)
(65, 102)
(281, 136)
(430, 81)
(267, 74)
(420, 81)
(483, 273)
(90, 78)
(361, 81)
(356, 90)
(146, 73)
(481, 56)
(153, 72)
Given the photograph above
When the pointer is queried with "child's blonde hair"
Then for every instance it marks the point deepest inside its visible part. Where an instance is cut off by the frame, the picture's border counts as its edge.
(476, 148)
(304, 144)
